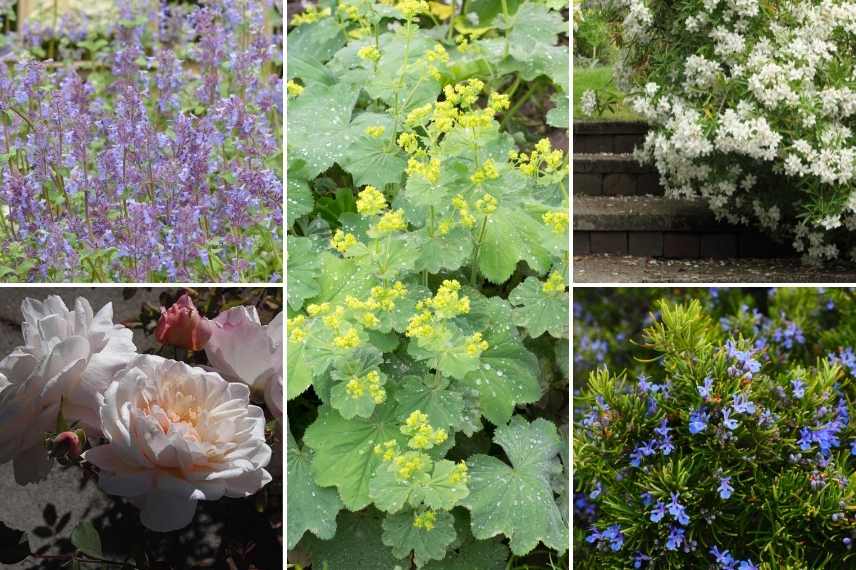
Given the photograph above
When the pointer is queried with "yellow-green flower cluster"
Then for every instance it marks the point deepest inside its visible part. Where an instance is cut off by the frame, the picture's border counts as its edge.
(296, 332)
(487, 204)
(487, 171)
(350, 13)
(376, 131)
(371, 383)
(409, 142)
(476, 345)
(464, 94)
(310, 15)
(460, 475)
(499, 101)
(294, 89)
(369, 53)
(555, 284)
(390, 222)
(370, 201)
(342, 241)
(543, 159)
(463, 208)
(558, 221)
(447, 302)
(380, 299)
(348, 340)
(422, 435)
(436, 55)
(426, 520)
(411, 8)
(430, 170)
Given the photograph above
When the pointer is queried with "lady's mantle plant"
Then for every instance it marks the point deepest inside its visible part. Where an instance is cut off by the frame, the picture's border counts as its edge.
(752, 108)
(427, 268)
(730, 446)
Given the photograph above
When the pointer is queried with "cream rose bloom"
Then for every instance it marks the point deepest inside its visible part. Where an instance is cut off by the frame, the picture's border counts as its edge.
(69, 358)
(177, 435)
(244, 350)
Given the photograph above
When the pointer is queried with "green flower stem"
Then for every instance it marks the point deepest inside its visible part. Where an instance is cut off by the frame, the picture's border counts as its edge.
(475, 266)
(396, 111)
(517, 104)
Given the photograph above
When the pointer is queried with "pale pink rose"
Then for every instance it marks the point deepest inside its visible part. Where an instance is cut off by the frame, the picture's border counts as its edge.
(177, 435)
(181, 325)
(244, 350)
(69, 358)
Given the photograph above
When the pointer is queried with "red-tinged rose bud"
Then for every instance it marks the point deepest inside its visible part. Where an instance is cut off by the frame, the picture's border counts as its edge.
(181, 325)
(67, 444)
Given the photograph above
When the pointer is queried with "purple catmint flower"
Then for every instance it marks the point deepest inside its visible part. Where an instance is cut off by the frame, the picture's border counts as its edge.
(725, 489)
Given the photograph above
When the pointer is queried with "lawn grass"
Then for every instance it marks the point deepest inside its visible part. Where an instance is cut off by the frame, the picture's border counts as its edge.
(598, 78)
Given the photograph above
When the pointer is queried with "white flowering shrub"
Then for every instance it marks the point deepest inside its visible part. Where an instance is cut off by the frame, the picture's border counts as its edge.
(752, 108)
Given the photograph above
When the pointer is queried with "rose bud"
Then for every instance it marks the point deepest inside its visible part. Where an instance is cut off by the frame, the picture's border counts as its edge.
(181, 325)
(67, 444)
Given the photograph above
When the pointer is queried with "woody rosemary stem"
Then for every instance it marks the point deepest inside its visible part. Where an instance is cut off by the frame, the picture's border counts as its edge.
(475, 267)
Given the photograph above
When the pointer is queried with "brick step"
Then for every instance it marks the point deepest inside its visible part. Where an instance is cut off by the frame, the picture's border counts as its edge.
(661, 227)
(608, 136)
(614, 175)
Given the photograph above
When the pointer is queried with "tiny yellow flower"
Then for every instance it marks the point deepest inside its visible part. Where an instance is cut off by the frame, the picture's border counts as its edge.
(459, 474)
(348, 340)
(486, 204)
(558, 221)
(370, 201)
(315, 310)
(499, 101)
(375, 132)
(476, 345)
(294, 89)
(369, 53)
(555, 284)
(389, 223)
(342, 241)
(408, 142)
(426, 520)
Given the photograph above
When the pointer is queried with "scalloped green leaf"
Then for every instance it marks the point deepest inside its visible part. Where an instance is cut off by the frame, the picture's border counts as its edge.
(303, 271)
(344, 450)
(560, 115)
(298, 201)
(340, 277)
(357, 544)
(512, 235)
(433, 396)
(434, 489)
(318, 126)
(404, 538)
(358, 364)
(539, 312)
(310, 507)
(517, 500)
(444, 253)
(506, 377)
(481, 554)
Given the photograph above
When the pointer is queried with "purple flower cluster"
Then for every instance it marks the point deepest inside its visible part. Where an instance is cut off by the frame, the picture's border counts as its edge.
(725, 561)
(611, 537)
(167, 172)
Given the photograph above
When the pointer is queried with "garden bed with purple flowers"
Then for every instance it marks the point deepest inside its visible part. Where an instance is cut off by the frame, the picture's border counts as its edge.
(156, 159)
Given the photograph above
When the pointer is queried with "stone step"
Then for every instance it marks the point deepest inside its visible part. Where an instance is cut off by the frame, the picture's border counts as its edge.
(608, 136)
(661, 227)
(614, 175)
